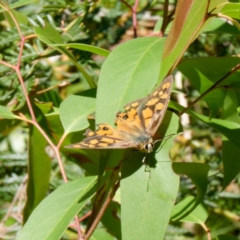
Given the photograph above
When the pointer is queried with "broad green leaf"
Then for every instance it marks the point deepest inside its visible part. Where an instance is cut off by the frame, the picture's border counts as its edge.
(198, 215)
(200, 74)
(74, 111)
(101, 234)
(229, 129)
(39, 168)
(219, 25)
(215, 5)
(85, 47)
(230, 157)
(229, 152)
(7, 114)
(56, 211)
(149, 192)
(130, 72)
(231, 10)
(226, 237)
(198, 174)
(54, 124)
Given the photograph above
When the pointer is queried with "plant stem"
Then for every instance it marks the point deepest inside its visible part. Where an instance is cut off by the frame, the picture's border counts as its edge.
(134, 15)
(102, 210)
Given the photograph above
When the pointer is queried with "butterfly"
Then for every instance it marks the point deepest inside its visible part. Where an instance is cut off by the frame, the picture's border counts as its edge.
(135, 127)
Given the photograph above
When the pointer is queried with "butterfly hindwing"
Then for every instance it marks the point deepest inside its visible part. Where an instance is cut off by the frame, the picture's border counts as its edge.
(129, 121)
(104, 137)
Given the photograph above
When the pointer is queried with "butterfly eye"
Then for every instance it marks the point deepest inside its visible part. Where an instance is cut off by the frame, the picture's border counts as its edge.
(149, 147)
(105, 128)
(125, 117)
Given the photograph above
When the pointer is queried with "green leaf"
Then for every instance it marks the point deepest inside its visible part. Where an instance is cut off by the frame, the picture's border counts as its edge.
(231, 10)
(226, 237)
(39, 168)
(111, 221)
(74, 111)
(85, 47)
(5, 113)
(49, 35)
(198, 215)
(218, 25)
(229, 129)
(20, 18)
(130, 72)
(54, 124)
(200, 74)
(56, 211)
(20, 3)
(149, 195)
(101, 234)
(229, 152)
(198, 174)
(45, 107)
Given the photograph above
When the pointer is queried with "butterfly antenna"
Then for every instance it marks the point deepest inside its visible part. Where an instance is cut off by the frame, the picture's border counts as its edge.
(165, 138)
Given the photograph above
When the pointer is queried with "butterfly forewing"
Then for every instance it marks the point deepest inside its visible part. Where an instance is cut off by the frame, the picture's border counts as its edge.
(152, 110)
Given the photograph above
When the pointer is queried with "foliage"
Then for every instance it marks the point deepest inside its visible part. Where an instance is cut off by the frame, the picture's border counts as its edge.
(51, 86)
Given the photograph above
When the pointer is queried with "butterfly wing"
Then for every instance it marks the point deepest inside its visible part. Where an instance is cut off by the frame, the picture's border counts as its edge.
(135, 126)
(143, 116)
(105, 137)
(152, 109)
(129, 121)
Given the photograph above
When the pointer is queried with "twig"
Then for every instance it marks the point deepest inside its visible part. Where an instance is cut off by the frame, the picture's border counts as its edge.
(30, 108)
(134, 15)
(165, 18)
(233, 70)
(85, 216)
(102, 210)
(207, 230)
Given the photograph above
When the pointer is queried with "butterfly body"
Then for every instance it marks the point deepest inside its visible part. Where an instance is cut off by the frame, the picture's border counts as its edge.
(136, 126)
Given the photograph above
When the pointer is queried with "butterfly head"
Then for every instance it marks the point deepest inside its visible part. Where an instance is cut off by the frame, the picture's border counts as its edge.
(147, 147)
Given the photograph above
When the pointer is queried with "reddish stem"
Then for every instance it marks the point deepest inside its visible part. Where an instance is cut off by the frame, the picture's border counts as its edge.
(134, 15)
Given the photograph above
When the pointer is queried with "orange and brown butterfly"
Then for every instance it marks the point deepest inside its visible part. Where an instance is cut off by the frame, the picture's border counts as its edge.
(135, 127)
